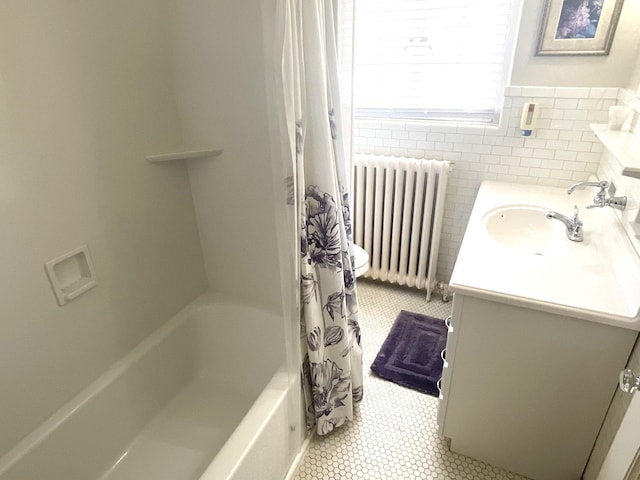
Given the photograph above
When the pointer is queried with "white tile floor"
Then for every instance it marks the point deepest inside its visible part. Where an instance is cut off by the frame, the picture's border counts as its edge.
(394, 434)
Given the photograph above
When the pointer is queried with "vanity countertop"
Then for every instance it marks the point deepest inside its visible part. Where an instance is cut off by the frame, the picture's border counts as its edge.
(596, 280)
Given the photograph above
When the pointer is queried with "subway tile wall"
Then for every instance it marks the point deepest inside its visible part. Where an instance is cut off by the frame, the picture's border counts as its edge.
(560, 151)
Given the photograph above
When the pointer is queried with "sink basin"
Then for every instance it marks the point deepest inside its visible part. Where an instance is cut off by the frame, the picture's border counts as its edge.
(524, 227)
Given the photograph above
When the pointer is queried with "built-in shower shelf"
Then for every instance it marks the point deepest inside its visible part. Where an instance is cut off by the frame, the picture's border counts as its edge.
(623, 145)
(169, 157)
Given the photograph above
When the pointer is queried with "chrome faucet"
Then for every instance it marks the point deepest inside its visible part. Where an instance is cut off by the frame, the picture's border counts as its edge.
(600, 200)
(573, 224)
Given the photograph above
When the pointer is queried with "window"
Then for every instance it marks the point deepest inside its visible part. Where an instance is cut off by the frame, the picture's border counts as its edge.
(431, 59)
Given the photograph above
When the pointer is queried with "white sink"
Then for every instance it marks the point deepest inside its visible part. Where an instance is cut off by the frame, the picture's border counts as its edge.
(525, 228)
(512, 253)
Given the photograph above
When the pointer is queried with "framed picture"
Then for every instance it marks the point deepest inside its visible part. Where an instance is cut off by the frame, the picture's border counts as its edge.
(578, 27)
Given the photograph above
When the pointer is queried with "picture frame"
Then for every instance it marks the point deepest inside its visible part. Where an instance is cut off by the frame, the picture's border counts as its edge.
(578, 27)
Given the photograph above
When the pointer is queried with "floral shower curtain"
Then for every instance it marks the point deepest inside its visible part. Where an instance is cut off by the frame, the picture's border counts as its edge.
(317, 186)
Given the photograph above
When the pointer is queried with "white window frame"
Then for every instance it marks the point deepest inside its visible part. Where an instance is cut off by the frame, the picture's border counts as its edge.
(490, 118)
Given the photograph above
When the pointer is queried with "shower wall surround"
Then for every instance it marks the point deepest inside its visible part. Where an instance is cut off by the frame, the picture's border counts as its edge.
(561, 150)
(85, 95)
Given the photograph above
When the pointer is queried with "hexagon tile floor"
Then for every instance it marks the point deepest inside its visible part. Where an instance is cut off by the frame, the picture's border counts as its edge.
(394, 434)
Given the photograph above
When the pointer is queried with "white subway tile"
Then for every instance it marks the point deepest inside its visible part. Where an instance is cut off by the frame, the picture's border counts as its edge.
(472, 139)
(462, 147)
(393, 125)
(552, 164)
(592, 157)
(565, 103)
(539, 172)
(408, 144)
(383, 133)
(444, 128)
(500, 150)
(538, 92)
(596, 92)
(391, 142)
(417, 135)
(579, 176)
(543, 153)
(535, 142)
(470, 129)
(444, 146)
(544, 123)
(597, 147)
(417, 127)
(531, 162)
(478, 167)
(522, 152)
(488, 140)
(547, 133)
(400, 134)
(575, 114)
(514, 170)
(399, 152)
(565, 155)
(498, 168)
(545, 113)
(560, 174)
(435, 136)
(368, 124)
(481, 148)
(570, 135)
(562, 124)
(415, 153)
(557, 144)
(513, 141)
(381, 151)
(509, 160)
(579, 146)
(453, 137)
(426, 145)
(572, 92)
(574, 166)
(549, 182)
(597, 115)
(366, 132)
(589, 104)
(610, 93)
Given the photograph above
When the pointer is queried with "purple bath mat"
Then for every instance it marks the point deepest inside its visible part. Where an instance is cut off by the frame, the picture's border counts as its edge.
(410, 355)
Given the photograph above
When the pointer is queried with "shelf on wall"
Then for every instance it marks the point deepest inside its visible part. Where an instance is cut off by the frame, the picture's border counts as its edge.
(623, 145)
(168, 157)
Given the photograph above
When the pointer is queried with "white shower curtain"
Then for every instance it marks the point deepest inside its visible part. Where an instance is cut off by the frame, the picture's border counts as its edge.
(314, 166)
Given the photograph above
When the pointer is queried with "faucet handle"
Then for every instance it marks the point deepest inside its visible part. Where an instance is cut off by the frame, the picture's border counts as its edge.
(575, 218)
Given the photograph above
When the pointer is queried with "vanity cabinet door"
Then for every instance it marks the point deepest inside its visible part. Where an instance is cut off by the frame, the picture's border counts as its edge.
(527, 390)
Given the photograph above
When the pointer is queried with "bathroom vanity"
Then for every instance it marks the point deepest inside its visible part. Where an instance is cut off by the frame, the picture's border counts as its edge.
(540, 328)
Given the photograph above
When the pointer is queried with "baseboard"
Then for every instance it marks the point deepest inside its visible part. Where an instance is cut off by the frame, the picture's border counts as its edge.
(299, 457)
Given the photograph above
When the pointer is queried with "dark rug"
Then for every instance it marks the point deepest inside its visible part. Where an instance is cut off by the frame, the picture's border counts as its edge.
(410, 355)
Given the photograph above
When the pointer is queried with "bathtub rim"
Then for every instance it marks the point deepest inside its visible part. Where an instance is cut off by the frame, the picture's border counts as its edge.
(205, 301)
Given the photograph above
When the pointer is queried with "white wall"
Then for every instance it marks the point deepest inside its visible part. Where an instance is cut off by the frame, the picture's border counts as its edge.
(220, 82)
(85, 93)
(612, 70)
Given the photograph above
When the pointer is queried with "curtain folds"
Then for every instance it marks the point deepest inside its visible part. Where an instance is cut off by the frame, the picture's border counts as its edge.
(318, 197)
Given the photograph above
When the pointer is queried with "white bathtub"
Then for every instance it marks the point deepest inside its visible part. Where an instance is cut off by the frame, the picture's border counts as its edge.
(205, 396)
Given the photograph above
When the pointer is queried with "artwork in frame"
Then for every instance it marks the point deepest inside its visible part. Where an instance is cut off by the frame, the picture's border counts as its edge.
(578, 27)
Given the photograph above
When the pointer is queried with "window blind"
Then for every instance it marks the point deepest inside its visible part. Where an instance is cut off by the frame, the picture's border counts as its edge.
(431, 59)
